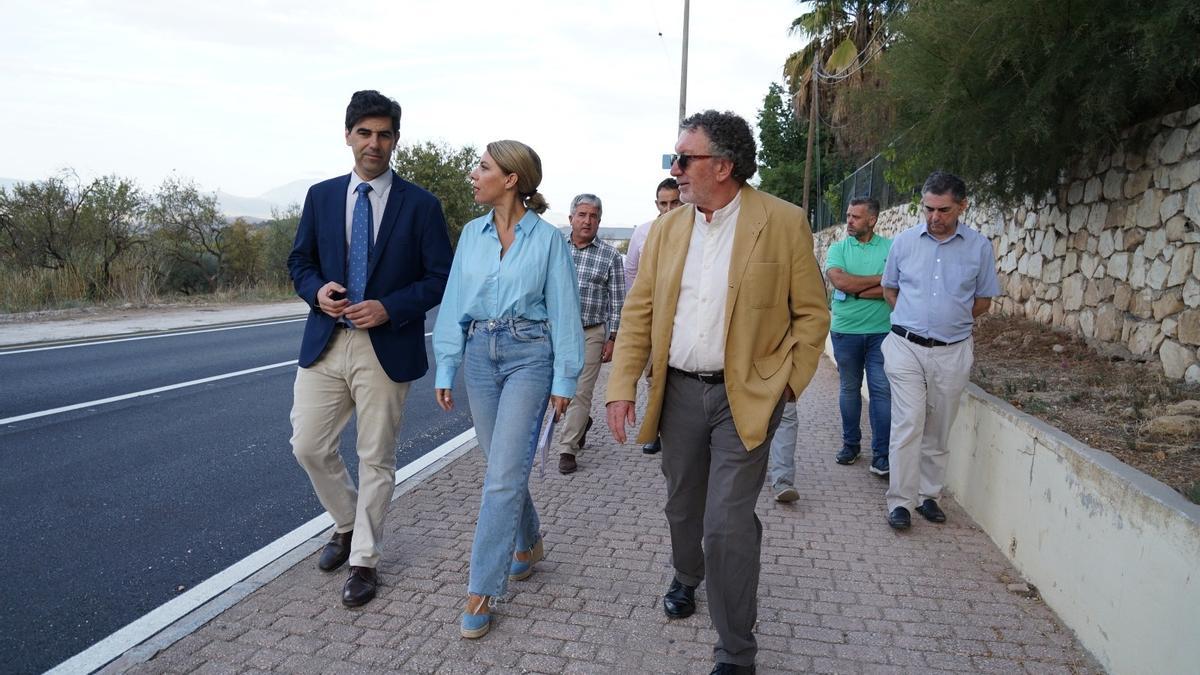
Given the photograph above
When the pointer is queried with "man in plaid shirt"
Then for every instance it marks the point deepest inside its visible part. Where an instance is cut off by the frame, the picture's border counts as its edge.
(601, 293)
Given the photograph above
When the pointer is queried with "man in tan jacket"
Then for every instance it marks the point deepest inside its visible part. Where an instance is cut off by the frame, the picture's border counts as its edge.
(730, 307)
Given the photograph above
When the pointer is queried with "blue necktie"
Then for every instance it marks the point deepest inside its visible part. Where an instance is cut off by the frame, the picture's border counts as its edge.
(360, 238)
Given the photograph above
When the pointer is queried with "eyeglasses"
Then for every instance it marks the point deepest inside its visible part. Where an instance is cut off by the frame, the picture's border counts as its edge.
(684, 159)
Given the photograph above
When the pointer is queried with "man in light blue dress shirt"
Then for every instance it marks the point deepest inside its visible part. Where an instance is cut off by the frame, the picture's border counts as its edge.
(939, 276)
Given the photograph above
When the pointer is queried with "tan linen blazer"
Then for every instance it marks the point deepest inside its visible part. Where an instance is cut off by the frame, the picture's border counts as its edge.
(776, 317)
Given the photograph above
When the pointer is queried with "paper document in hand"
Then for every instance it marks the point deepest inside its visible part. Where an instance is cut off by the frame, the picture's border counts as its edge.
(543, 444)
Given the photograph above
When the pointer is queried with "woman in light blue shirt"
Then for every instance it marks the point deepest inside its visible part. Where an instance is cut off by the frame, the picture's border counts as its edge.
(510, 318)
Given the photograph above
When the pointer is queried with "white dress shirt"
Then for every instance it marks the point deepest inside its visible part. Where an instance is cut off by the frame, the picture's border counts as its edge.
(698, 336)
(381, 185)
(633, 256)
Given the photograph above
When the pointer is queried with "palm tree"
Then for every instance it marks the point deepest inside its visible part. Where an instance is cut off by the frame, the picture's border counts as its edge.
(844, 41)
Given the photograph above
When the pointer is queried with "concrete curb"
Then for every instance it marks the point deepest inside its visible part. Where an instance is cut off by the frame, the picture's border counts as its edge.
(197, 618)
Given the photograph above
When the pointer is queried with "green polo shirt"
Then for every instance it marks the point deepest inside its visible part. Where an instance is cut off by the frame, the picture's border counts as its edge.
(859, 316)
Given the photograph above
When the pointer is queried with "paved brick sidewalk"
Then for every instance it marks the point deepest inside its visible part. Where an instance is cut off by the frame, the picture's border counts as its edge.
(840, 591)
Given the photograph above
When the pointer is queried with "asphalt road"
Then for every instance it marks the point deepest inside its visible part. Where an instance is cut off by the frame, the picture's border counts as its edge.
(113, 509)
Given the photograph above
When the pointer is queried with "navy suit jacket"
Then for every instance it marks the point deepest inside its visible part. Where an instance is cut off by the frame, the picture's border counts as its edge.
(407, 270)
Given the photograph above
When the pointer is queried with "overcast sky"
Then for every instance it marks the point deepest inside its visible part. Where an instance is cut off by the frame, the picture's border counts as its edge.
(249, 95)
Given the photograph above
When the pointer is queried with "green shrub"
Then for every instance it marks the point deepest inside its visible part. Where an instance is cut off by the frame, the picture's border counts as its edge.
(1006, 93)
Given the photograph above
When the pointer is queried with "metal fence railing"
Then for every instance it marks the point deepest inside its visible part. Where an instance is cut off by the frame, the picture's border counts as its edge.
(868, 180)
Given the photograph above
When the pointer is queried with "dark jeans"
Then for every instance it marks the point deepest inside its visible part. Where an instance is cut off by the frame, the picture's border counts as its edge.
(854, 354)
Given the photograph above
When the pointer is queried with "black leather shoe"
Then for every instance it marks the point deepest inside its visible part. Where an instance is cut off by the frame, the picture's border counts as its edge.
(732, 669)
(680, 600)
(899, 518)
(652, 448)
(932, 512)
(360, 587)
(336, 552)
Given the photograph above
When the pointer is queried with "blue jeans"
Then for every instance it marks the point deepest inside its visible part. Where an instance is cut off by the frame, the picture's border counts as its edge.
(508, 368)
(853, 354)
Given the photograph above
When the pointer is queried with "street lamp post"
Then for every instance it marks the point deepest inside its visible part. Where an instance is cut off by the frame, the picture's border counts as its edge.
(683, 72)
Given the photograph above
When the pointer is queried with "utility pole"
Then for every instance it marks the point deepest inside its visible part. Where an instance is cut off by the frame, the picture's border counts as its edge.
(812, 132)
(683, 73)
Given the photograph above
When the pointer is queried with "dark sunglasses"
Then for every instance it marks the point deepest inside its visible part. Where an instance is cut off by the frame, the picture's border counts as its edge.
(684, 159)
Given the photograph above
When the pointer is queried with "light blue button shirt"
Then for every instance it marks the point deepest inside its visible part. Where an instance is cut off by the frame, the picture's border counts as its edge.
(939, 281)
(534, 280)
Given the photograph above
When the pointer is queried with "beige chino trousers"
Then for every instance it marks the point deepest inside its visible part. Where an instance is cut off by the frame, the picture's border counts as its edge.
(575, 420)
(927, 385)
(348, 378)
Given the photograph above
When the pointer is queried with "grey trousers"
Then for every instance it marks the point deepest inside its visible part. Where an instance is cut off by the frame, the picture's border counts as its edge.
(712, 486)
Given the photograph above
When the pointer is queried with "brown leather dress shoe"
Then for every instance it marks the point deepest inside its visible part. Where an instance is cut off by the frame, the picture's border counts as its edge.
(336, 552)
(566, 463)
(360, 587)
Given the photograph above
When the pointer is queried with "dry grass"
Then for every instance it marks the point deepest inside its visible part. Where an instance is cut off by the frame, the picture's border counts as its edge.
(62, 292)
(1100, 401)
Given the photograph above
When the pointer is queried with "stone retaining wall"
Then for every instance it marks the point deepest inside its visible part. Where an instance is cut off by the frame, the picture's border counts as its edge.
(1113, 257)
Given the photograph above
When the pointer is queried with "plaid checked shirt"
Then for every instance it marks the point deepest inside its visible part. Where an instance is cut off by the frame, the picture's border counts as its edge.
(601, 283)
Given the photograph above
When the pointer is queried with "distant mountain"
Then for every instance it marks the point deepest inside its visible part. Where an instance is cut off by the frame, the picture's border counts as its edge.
(234, 206)
(290, 193)
(253, 209)
(277, 198)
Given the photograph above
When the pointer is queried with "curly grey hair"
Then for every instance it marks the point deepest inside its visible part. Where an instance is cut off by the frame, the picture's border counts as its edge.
(729, 137)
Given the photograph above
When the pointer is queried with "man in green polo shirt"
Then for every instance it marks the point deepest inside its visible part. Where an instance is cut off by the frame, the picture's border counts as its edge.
(861, 320)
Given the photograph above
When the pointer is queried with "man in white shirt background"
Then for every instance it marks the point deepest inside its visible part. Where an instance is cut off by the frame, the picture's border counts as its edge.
(666, 198)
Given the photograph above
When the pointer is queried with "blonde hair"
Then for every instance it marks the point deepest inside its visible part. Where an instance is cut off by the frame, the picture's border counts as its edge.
(516, 157)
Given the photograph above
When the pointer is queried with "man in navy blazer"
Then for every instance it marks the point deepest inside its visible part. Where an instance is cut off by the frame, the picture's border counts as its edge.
(371, 257)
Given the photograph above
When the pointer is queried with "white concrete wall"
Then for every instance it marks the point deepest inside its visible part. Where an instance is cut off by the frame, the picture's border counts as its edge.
(1115, 553)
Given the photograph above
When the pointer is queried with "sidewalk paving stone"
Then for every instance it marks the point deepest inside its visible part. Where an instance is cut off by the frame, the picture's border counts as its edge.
(840, 592)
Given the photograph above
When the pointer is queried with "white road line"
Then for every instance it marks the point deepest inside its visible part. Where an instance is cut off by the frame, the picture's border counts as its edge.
(147, 337)
(135, 633)
(150, 337)
(146, 392)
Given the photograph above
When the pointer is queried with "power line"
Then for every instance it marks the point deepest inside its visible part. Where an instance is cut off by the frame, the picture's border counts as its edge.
(662, 41)
(862, 61)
